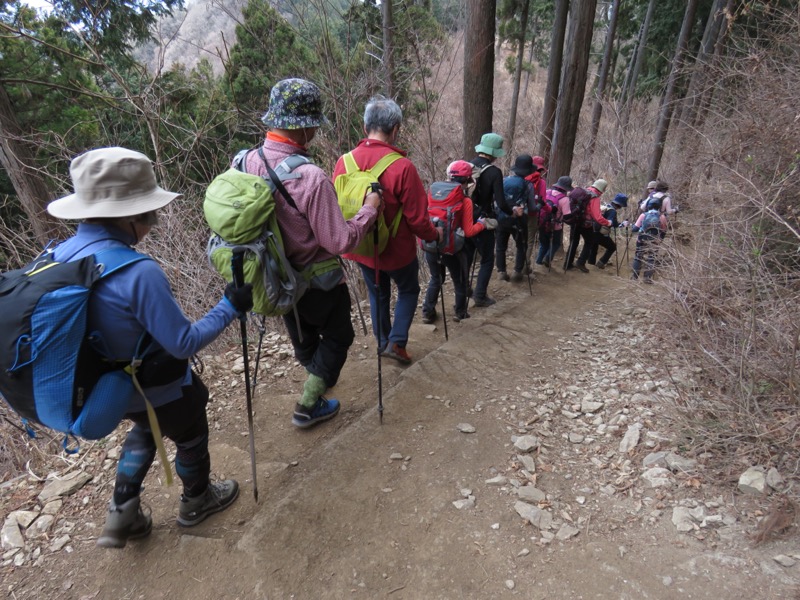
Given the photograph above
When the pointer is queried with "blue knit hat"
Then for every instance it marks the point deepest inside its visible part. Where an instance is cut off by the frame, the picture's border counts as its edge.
(294, 104)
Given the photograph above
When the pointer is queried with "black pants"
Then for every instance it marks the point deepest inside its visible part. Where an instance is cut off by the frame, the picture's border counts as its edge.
(518, 228)
(457, 265)
(576, 232)
(327, 332)
(598, 241)
(184, 422)
(482, 244)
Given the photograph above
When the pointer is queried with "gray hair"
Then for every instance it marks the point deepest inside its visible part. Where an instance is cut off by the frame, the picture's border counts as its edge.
(382, 114)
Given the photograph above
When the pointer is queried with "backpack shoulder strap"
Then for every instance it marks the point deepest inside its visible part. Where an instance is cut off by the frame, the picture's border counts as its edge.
(384, 163)
(278, 181)
(286, 168)
(115, 258)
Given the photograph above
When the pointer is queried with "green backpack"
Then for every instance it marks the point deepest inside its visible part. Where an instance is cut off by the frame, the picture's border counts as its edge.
(240, 210)
(351, 188)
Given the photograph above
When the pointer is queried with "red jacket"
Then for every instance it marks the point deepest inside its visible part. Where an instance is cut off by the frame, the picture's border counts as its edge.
(593, 213)
(402, 186)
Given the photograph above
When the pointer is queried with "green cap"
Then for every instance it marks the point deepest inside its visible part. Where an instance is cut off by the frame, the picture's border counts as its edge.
(491, 144)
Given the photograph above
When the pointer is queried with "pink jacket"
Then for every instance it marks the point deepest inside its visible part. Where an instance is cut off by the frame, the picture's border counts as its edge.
(317, 230)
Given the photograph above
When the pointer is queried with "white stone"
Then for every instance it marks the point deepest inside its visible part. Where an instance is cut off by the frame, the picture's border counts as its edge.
(523, 552)
(527, 462)
(682, 519)
(675, 462)
(567, 531)
(464, 503)
(774, 479)
(52, 508)
(588, 406)
(575, 438)
(59, 543)
(65, 486)
(510, 584)
(500, 480)
(11, 536)
(631, 438)
(531, 494)
(24, 517)
(657, 477)
(655, 459)
(526, 443)
(753, 481)
(784, 561)
(535, 515)
(41, 525)
(466, 428)
(395, 456)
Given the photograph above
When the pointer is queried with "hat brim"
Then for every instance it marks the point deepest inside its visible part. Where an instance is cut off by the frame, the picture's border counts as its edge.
(522, 172)
(75, 207)
(280, 122)
(496, 152)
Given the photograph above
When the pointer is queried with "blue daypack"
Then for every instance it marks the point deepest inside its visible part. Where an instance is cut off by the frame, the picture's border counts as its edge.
(651, 222)
(49, 372)
(515, 190)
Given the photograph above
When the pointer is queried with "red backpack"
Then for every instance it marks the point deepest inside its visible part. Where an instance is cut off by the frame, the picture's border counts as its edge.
(549, 212)
(446, 209)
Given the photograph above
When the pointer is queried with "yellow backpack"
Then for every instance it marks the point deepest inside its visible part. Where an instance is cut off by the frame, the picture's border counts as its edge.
(351, 188)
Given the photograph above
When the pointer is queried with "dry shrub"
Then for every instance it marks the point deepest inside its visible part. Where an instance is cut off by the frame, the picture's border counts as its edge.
(737, 288)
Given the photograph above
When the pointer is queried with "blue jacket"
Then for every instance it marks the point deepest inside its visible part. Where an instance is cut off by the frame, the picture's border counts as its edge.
(138, 299)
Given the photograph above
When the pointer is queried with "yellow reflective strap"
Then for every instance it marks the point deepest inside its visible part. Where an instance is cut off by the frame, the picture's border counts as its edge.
(153, 421)
(350, 165)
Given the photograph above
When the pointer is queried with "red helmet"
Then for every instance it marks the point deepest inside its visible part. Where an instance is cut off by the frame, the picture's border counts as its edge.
(539, 162)
(459, 168)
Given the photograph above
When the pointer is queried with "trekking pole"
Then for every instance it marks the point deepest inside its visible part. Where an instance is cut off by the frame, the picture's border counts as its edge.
(474, 258)
(237, 270)
(441, 289)
(376, 187)
(616, 252)
(355, 293)
(262, 329)
(550, 252)
(627, 244)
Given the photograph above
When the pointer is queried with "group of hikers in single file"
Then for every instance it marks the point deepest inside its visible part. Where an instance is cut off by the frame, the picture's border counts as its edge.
(293, 223)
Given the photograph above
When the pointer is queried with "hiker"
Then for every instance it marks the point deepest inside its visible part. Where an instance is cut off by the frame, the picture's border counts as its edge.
(316, 231)
(651, 226)
(535, 206)
(403, 191)
(602, 235)
(551, 229)
(595, 226)
(512, 212)
(488, 189)
(574, 215)
(658, 197)
(453, 256)
(116, 202)
(651, 187)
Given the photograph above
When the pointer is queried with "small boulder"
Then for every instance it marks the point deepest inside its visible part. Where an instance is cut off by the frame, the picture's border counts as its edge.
(753, 481)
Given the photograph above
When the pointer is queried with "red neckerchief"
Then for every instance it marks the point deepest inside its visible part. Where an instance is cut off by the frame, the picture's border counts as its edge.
(534, 177)
(276, 137)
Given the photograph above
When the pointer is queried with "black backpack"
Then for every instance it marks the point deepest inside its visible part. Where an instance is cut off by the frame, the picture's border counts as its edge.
(578, 201)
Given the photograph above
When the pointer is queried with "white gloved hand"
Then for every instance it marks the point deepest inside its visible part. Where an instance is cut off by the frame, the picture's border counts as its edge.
(487, 223)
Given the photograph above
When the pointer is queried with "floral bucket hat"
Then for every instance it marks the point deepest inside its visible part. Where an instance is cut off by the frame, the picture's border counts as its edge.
(294, 104)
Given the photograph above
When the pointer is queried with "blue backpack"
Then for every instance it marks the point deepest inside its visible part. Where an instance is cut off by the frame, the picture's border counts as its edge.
(651, 222)
(49, 372)
(515, 190)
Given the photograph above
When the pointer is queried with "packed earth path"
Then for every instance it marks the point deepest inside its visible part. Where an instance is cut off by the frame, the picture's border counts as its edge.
(530, 456)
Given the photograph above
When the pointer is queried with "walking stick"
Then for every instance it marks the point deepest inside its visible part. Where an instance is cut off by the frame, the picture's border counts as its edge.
(355, 293)
(377, 189)
(527, 262)
(616, 252)
(237, 270)
(441, 289)
(262, 329)
(625, 256)
(472, 275)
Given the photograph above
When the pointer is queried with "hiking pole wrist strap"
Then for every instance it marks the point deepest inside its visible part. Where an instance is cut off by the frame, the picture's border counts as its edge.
(155, 430)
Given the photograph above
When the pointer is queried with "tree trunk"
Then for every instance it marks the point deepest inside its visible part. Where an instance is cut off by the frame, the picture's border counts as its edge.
(597, 111)
(17, 160)
(667, 102)
(630, 92)
(534, 33)
(512, 118)
(553, 78)
(388, 43)
(478, 72)
(573, 88)
(699, 77)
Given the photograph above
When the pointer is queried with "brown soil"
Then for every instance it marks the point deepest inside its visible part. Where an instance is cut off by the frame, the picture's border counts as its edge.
(336, 518)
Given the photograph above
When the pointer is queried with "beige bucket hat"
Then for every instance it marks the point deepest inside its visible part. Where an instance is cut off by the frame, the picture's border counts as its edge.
(111, 182)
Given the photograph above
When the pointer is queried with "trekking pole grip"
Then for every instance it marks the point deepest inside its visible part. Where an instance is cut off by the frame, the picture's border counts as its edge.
(237, 266)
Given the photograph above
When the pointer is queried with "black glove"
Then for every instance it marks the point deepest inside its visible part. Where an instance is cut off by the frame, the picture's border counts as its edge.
(241, 298)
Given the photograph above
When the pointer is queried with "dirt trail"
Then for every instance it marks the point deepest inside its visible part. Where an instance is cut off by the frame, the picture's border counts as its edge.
(338, 518)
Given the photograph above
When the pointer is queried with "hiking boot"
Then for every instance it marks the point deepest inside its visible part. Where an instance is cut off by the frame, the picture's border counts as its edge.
(600, 264)
(546, 263)
(503, 275)
(460, 316)
(516, 277)
(582, 268)
(429, 317)
(397, 353)
(647, 280)
(323, 409)
(218, 496)
(485, 301)
(124, 522)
